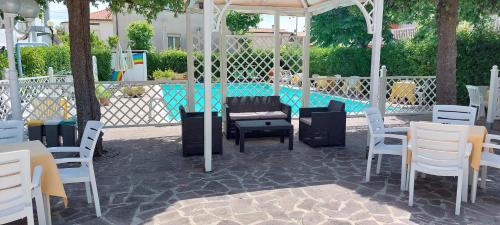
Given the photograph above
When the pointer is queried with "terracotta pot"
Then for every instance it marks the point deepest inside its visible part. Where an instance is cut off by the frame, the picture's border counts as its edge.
(104, 101)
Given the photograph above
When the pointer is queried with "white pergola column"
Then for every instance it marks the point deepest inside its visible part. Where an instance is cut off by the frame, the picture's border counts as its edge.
(306, 87)
(277, 54)
(376, 50)
(15, 100)
(207, 80)
(190, 63)
(223, 64)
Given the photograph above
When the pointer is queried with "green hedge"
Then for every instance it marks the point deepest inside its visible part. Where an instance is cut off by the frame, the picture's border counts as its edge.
(3, 64)
(104, 70)
(34, 61)
(477, 52)
(37, 60)
(57, 57)
(175, 60)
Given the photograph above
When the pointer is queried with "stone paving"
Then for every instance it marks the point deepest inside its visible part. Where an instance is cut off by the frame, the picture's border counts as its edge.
(143, 179)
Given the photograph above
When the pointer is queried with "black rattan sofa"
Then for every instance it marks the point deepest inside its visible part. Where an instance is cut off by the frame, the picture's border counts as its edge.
(323, 126)
(254, 108)
(192, 133)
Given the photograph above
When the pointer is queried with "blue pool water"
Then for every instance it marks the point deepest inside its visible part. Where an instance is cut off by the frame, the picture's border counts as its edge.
(174, 93)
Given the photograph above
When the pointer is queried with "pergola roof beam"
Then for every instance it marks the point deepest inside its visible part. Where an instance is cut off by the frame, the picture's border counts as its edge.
(285, 7)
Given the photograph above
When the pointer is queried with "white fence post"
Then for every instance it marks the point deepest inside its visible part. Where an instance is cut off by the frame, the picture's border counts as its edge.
(383, 89)
(492, 100)
(50, 74)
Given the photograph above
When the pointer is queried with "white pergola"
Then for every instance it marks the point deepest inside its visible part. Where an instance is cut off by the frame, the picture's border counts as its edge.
(214, 20)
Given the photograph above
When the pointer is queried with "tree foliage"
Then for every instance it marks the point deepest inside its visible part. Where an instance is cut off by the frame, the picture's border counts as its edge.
(345, 26)
(140, 33)
(240, 23)
(113, 41)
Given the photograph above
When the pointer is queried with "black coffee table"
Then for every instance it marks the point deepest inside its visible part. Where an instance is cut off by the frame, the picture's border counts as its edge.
(247, 126)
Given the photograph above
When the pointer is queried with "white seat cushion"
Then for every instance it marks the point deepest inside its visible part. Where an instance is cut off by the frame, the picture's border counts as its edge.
(74, 175)
(244, 116)
(272, 115)
(306, 120)
(258, 115)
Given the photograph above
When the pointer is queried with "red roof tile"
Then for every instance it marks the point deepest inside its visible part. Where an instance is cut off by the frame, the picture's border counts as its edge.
(104, 14)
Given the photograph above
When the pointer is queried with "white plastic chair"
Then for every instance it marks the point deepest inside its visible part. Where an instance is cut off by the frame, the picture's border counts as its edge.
(84, 173)
(454, 114)
(16, 188)
(37, 195)
(440, 150)
(11, 131)
(378, 134)
(354, 84)
(476, 99)
(488, 158)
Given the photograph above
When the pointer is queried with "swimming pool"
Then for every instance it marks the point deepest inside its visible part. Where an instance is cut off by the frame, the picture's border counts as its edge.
(174, 95)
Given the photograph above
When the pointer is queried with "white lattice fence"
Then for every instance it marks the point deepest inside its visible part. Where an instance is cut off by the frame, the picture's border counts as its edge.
(124, 104)
(291, 72)
(249, 61)
(410, 95)
(5, 108)
(198, 89)
(353, 91)
(45, 101)
(142, 103)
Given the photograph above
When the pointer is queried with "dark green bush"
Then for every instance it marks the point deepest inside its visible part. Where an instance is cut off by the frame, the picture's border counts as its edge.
(175, 60)
(33, 61)
(3, 63)
(171, 59)
(140, 33)
(477, 53)
(104, 69)
(57, 57)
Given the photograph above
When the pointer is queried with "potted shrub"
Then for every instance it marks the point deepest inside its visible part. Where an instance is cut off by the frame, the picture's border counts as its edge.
(163, 74)
(102, 95)
(134, 91)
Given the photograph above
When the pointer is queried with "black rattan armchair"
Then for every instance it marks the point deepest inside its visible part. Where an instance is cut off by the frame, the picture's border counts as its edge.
(192, 133)
(323, 126)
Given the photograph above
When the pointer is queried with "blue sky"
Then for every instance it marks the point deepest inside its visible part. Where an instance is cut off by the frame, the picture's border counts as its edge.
(59, 13)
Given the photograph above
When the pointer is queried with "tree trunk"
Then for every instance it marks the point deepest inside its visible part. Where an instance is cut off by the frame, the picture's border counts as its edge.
(87, 106)
(447, 21)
